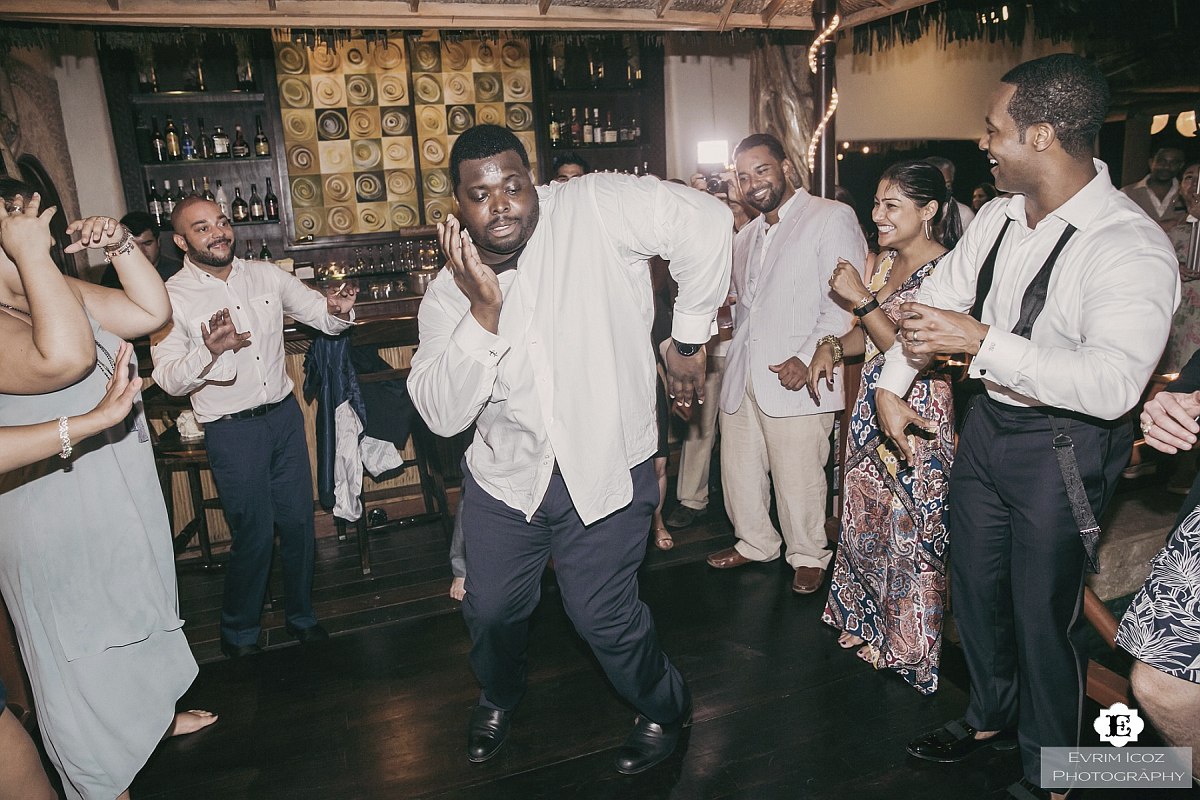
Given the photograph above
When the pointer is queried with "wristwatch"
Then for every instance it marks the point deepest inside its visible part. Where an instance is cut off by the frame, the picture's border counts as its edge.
(687, 350)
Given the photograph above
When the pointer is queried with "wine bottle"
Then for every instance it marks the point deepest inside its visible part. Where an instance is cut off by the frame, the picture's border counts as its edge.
(587, 127)
(610, 131)
(173, 150)
(245, 72)
(241, 211)
(204, 142)
(249, 251)
(187, 145)
(258, 211)
(155, 205)
(168, 202)
(240, 148)
(207, 192)
(597, 128)
(265, 253)
(158, 145)
(555, 129)
(179, 193)
(220, 143)
(576, 129)
(272, 203)
(193, 192)
(262, 147)
(222, 199)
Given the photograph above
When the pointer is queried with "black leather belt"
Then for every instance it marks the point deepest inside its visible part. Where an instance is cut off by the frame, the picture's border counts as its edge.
(250, 413)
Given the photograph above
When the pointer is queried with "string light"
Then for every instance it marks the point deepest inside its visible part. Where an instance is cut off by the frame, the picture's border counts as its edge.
(823, 37)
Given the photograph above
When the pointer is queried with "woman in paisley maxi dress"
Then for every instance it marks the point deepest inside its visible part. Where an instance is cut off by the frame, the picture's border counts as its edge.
(888, 589)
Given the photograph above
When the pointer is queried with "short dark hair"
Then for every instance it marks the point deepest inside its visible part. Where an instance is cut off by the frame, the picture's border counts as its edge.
(562, 159)
(484, 141)
(1159, 151)
(988, 189)
(139, 222)
(11, 187)
(923, 183)
(761, 140)
(1065, 91)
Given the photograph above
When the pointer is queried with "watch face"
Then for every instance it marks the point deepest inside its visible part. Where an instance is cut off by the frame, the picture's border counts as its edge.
(687, 349)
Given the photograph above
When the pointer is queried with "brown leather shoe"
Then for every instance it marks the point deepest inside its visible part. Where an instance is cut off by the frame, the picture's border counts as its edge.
(728, 559)
(808, 580)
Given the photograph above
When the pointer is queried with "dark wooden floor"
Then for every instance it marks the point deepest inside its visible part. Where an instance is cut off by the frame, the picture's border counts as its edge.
(380, 710)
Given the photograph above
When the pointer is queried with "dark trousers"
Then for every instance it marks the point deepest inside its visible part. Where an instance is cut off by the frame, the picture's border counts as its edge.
(596, 567)
(1017, 567)
(260, 466)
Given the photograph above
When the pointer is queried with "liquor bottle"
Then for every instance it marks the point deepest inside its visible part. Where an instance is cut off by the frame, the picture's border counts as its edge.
(241, 211)
(623, 135)
(555, 129)
(597, 128)
(204, 143)
(193, 192)
(262, 148)
(576, 128)
(240, 148)
(272, 203)
(179, 193)
(168, 202)
(158, 145)
(147, 79)
(587, 127)
(193, 80)
(187, 145)
(155, 206)
(265, 253)
(258, 211)
(222, 199)
(173, 151)
(206, 192)
(249, 252)
(610, 131)
(220, 142)
(245, 71)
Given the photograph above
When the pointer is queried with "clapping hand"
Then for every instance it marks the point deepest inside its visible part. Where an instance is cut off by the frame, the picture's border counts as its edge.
(475, 279)
(23, 231)
(96, 232)
(340, 300)
(221, 335)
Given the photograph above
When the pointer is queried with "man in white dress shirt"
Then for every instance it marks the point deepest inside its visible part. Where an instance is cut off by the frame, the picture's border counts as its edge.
(771, 427)
(1071, 291)
(1158, 193)
(538, 333)
(224, 350)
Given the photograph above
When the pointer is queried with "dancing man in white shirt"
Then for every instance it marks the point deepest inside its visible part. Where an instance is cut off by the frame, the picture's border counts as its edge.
(1041, 451)
(224, 351)
(538, 333)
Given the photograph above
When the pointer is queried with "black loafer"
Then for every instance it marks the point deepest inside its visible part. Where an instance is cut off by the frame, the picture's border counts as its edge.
(649, 743)
(956, 740)
(486, 732)
(314, 633)
(238, 650)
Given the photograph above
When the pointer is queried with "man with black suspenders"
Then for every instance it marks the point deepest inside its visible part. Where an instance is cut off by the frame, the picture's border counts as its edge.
(1063, 294)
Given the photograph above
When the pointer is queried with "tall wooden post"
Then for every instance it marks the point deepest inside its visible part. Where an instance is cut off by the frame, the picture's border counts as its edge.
(825, 163)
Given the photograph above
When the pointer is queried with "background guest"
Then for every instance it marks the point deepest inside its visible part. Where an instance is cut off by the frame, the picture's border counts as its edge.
(567, 166)
(965, 214)
(145, 235)
(981, 194)
(1157, 193)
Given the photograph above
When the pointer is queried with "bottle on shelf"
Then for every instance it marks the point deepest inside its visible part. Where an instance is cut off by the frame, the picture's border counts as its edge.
(391, 256)
(204, 142)
(173, 148)
(147, 79)
(258, 212)
(158, 144)
(222, 200)
(623, 134)
(265, 253)
(206, 192)
(220, 142)
(588, 131)
(193, 80)
(241, 209)
(187, 145)
(272, 203)
(249, 252)
(168, 202)
(240, 148)
(179, 193)
(245, 69)
(555, 129)
(155, 206)
(635, 130)
(193, 192)
(597, 128)
(610, 131)
(262, 147)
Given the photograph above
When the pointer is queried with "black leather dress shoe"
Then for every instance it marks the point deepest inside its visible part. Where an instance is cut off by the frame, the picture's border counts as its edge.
(956, 740)
(486, 732)
(308, 635)
(238, 650)
(649, 743)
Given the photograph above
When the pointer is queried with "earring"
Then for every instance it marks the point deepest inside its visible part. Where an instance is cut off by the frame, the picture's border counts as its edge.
(925, 225)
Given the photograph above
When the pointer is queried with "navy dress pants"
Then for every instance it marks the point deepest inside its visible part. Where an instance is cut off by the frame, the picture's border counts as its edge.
(596, 566)
(1017, 566)
(261, 469)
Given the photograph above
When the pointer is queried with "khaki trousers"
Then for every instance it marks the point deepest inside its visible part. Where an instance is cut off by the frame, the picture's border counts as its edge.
(792, 450)
(695, 457)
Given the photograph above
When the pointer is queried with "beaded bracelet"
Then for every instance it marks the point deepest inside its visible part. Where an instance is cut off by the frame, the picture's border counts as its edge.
(64, 438)
(835, 344)
(126, 245)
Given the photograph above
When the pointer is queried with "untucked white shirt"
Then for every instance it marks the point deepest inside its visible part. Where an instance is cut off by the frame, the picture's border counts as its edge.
(258, 295)
(1108, 308)
(570, 375)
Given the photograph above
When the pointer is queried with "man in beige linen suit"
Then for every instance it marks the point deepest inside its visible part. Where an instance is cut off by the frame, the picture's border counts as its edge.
(771, 428)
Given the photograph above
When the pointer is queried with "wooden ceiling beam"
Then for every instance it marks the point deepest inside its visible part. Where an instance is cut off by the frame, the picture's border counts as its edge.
(726, 10)
(773, 8)
(663, 7)
(544, 6)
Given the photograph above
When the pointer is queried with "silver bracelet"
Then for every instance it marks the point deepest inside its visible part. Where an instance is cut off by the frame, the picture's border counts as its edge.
(64, 438)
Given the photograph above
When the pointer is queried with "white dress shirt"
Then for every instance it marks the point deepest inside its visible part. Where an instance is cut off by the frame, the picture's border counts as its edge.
(570, 375)
(1161, 210)
(1108, 308)
(257, 295)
